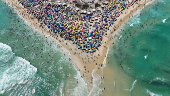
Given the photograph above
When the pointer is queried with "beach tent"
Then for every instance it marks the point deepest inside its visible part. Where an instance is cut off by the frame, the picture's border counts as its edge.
(71, 13)
(81, 12)
(28, 5)
(88, 13)
(102, 6)
(105, 2)
(77, 9)
(64, 4)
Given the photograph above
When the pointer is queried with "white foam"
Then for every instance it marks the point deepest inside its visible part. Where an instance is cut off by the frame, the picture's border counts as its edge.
(21, 69)
(77, 89)
(61, 88)
(135, 19)
(163, 20)
(80, 89)
(97, 78)
(6, 52)
(151, 93)
(131, 24)
(21, 82)
(104, 62)
(120, 37)
(15, 72)
(159, 79)
(133, 85)
(33, 91)
(96, 83)
(145, 56)
(149, 3)
(2, 92)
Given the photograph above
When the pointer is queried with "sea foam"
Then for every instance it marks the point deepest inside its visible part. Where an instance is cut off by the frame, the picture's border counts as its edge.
(151, 93)
(5, 52)
(14, 72)
(133, 85)
(96, 82)
(164, 20)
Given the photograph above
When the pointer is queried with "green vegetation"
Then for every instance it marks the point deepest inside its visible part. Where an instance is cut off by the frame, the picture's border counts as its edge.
(85, 6)
(97, 5)
(78, 5)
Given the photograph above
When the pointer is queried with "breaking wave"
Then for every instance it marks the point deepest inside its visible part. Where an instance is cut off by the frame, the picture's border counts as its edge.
(13, 69)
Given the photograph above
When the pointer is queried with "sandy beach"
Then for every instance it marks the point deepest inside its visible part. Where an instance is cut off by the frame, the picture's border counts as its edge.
(85, 62)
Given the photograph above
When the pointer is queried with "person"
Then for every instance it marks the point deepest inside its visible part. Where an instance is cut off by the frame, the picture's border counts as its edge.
(53, 15)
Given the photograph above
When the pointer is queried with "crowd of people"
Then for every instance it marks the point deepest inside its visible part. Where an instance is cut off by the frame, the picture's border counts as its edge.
(85, 28)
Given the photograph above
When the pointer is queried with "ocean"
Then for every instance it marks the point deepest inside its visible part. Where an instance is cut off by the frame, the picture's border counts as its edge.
(32, 64)
(138, 63)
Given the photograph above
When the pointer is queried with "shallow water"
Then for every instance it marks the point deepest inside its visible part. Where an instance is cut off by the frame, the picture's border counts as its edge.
(31, 64)
(141, 54)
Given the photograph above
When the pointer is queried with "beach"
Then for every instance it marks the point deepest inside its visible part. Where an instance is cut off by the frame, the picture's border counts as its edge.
(84, 62)
(133, 65)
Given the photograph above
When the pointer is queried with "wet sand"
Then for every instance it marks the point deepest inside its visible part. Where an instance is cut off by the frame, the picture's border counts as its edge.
(114, 78)
(85, 62)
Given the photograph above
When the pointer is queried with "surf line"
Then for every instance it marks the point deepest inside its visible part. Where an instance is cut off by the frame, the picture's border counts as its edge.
(104, 62)
(133, 85)
(96, 77)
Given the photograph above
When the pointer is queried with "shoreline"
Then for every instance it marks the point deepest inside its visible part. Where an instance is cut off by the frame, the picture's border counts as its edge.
(84, 62)
(118, 31)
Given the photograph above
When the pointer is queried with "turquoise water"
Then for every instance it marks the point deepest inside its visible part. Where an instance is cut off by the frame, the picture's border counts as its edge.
(32, 64)
(142, 51)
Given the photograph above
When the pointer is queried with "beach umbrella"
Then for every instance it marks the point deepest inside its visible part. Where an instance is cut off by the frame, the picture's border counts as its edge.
(64, 4)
